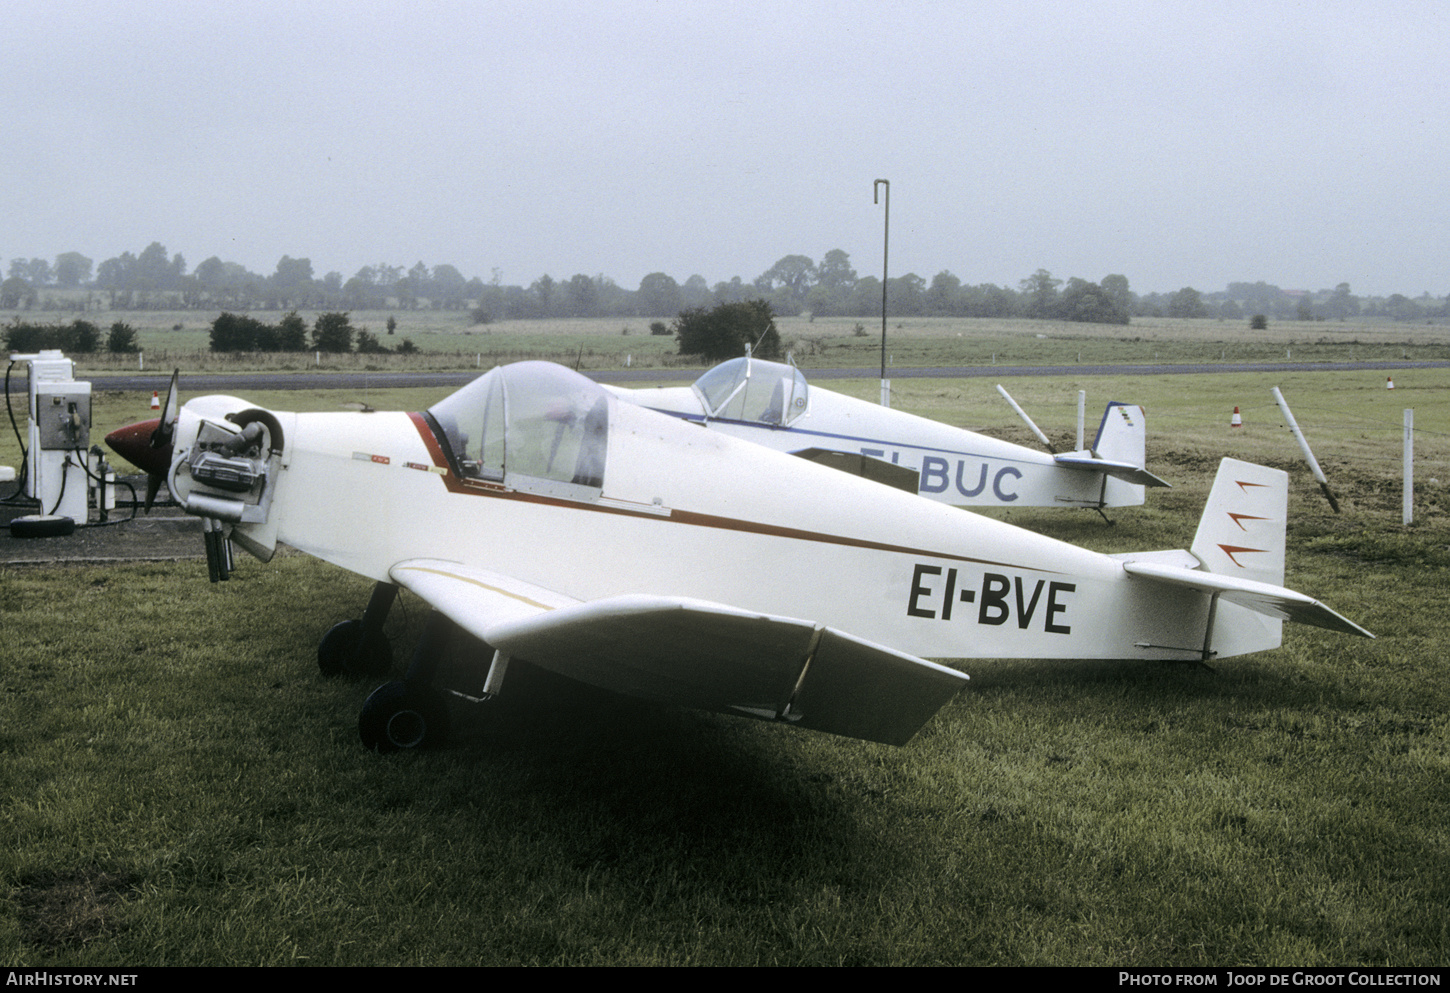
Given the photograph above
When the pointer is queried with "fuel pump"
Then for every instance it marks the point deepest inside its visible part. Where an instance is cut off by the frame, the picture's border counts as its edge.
(59, 436)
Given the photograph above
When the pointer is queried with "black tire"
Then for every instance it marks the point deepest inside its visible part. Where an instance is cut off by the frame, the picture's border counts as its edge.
(343, 652)
(42, 526)
(400, 717)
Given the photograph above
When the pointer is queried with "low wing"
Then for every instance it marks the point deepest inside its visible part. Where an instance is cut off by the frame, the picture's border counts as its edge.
(1265, 598)
(695, 653)
(1126, 471)
(866, 466)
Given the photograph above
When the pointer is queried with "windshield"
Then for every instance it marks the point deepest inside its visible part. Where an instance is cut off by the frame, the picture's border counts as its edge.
(747, 389)
(530, 421)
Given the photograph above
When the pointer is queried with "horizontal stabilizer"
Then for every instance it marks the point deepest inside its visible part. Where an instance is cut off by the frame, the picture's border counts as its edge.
(1125, 471)
(1265, 598)
(695, 653)
(865, 466)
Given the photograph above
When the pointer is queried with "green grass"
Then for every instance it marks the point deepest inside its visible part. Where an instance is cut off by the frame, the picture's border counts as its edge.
(179, 786)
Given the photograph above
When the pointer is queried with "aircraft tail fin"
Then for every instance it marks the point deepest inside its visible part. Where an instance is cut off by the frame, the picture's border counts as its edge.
(1118, 453)
(1242, 529)
(1122, 434)
(1237, 558)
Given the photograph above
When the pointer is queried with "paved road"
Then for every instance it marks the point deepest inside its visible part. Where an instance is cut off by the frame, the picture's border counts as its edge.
(239, 382)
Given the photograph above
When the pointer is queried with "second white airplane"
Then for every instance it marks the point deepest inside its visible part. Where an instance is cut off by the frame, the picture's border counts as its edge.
(771, 404)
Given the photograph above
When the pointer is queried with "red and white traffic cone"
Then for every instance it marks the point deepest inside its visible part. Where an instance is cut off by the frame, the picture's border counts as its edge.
(1389, 383)
(155, 400)
(1236, 421)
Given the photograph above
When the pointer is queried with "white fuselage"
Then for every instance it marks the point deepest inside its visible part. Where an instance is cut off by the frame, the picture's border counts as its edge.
(956, 467)
(691, 512)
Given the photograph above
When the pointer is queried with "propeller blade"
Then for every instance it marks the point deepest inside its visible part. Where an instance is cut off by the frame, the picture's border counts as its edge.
(170, 411)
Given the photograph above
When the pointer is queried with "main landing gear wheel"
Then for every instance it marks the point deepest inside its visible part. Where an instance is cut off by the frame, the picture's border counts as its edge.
(346, 651)
(401, 715)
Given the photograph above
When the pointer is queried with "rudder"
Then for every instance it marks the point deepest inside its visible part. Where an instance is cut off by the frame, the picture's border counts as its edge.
(1244, 521)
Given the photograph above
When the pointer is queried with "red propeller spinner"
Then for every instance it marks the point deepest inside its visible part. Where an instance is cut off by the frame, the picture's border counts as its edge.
(147, 444)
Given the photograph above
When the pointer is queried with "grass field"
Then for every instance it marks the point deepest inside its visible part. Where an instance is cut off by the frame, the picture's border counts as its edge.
(180, 786)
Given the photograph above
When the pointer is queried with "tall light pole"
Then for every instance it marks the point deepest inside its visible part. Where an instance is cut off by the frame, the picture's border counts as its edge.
(885, 250)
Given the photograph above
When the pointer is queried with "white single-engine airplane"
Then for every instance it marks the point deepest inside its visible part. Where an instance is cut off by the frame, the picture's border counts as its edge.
(645, 555)
(771, 404)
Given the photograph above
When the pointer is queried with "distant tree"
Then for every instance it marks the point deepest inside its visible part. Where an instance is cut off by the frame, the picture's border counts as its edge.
(448, 289)
(581, 296)
(865, 297)
(724, 331)
(122, 338)
(789, 279)
(1089, 303)
(236, 333)
(543, 291)
(368, 343)
(944, 295)
(412, 286)
(1187, 302)
(360, 291)
(81, 336)
(332, 333)
(292, 333)
(407, 347)
(78, 336)
(1040, 291)
(835, 272)
(1342, 303)
(292, 283)
(658, 327)
(72, 269)
(153, 270)
(695, 292)
(734, 291)
(1259, 322)
(989, 300)
(906, 295)
(1116, 287)
(115, 273)
(658, 296)
(13, 292)
(1402, 308)
(36, 272)
(267, 338)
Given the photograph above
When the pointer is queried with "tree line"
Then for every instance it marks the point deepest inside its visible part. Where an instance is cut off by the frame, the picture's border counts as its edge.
(794, 285)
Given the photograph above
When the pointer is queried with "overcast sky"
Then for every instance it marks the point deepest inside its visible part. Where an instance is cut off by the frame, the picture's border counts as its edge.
(1179, 144)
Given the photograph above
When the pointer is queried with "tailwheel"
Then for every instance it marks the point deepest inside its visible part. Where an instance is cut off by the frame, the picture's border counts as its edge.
(401, 715)
(347, 650)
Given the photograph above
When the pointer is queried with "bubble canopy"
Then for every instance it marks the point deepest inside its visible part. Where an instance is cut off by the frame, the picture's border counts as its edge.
(532, 425)
(747, 389)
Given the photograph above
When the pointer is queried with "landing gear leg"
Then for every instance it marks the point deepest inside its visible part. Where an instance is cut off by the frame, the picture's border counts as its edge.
(360, 648)
(411, 713)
